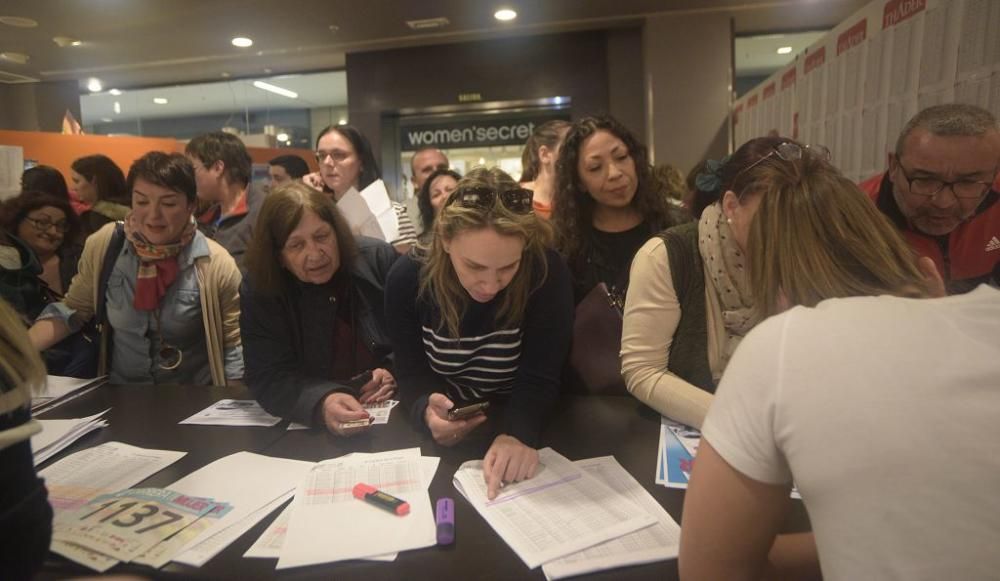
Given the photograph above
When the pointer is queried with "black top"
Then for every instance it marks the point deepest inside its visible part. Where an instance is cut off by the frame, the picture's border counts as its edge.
(288, 340)
(521, 364)
(609, 259)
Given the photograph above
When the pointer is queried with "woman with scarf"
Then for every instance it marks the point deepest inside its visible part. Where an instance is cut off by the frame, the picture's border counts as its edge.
(689, 302)
(172, 298)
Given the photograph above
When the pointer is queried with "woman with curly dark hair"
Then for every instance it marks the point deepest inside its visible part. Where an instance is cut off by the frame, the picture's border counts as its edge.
(606, 205)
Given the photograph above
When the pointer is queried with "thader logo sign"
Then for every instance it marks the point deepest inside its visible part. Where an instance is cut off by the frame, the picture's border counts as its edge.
(473, 133)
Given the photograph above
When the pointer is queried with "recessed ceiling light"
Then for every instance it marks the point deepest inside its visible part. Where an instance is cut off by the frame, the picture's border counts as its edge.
(276, 89)
(160, 100)
(105, 119)
(267, 71)
(64, 41)
(785, 50)
(117, 108)
(94, 85)
(18, 21)
(242, 42)
(224, 75)
(342, 122)
(334, 28)
(282, 137)
(115, 92)
(14, 57)
(505, 15)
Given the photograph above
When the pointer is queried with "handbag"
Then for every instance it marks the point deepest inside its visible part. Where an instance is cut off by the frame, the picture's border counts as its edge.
(597, 340)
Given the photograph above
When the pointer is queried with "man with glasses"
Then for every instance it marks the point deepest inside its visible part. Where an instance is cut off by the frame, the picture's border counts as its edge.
(940, 192)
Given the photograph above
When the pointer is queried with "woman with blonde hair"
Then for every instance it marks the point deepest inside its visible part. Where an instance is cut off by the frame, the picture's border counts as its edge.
(485, 316)
(787, 228)
(312, 317)
(25, 514)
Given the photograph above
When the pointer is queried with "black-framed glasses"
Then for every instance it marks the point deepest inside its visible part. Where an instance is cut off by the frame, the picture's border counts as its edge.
(929, 187)
(517, 200)
(336, 155)
(43, 225)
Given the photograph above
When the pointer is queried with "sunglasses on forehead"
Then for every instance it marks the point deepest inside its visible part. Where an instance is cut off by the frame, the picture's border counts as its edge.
(517, 200)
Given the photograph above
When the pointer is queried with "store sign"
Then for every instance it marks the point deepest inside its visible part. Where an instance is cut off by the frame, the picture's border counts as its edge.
(852, 37)
(472, 133)
(897, 11)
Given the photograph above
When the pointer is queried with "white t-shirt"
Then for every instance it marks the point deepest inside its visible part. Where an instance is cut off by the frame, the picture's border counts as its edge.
(886, 412)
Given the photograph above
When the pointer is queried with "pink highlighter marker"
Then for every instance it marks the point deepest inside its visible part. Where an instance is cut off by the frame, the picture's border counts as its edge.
(388, 502)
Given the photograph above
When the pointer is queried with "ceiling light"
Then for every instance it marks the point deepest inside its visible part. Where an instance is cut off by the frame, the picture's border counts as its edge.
(224, 75)
(276, 89)
(785, 50)
(505, 15)
(282, 137)
(242, 42)
(14, 57)
(118, 108)
(342, 121)
(334, 28)
(160, 100)
(94, 85)
(64, 41)
(18, 21)
(428, 23)
(105, 119)
(115, 92)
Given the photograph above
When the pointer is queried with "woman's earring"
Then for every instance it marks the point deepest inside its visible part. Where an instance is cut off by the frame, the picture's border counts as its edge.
(729, 220)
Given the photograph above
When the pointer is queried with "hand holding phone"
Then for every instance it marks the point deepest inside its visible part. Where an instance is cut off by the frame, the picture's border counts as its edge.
(459, 413)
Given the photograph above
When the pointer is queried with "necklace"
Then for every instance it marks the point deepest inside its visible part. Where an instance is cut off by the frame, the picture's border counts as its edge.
(170, 357)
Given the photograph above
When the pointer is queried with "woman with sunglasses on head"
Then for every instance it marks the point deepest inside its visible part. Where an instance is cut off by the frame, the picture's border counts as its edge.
(606, 204)
(100, 184)
(172, 295)
(486, 315)
(346, 161)
(689, 303)
(312, 316)
(48, 227)
(433, 194)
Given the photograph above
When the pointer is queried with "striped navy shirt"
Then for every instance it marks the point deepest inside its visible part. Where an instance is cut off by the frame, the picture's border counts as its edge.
(522, 364)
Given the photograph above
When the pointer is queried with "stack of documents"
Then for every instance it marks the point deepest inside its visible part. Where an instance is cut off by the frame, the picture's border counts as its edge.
(62, 389)
(562, 510)
(137, 525)
(325, 523)
(79, 478)
(56, 435)
(370, 212)
(677, 451)
(233, 412)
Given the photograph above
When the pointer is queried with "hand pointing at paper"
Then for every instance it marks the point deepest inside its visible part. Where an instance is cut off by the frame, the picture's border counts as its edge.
(508, 460)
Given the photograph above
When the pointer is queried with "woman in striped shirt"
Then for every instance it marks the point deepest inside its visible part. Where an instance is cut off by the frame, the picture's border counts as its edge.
(492, 321)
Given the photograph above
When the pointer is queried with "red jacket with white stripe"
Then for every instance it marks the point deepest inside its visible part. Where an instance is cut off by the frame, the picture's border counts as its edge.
(966, 257)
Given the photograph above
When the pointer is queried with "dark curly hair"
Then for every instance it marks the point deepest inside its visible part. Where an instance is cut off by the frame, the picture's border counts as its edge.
(15, 210)
(424, 196)
(573, 210)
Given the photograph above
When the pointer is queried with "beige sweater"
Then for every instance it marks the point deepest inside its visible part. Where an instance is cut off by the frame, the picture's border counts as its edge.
(652, 313)
(218, 282)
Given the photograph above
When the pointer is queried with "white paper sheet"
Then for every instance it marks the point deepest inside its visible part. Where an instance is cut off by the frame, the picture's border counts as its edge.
(215, 543)
(655, 543)
(60, 389)
(110, 467)
(245, 480)
(57, 435)
(324, 508)
(233, 412)
(370, 212)
(11, 168)
(560, 511)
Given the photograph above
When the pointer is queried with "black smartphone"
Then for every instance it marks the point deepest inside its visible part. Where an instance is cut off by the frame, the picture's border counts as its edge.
(460, 413)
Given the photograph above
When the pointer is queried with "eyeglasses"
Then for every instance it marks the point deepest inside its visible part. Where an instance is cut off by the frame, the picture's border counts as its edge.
(789, 151)
(517, 200)
(43, 225)
(337, 155)
(928, 187)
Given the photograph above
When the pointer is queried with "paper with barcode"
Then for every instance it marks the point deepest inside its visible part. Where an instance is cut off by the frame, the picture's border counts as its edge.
(560, 511)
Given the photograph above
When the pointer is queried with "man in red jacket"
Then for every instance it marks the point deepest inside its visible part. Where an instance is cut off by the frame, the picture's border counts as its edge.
(940, 192)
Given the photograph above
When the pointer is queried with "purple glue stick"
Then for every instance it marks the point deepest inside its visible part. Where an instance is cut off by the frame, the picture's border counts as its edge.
(445, 519)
